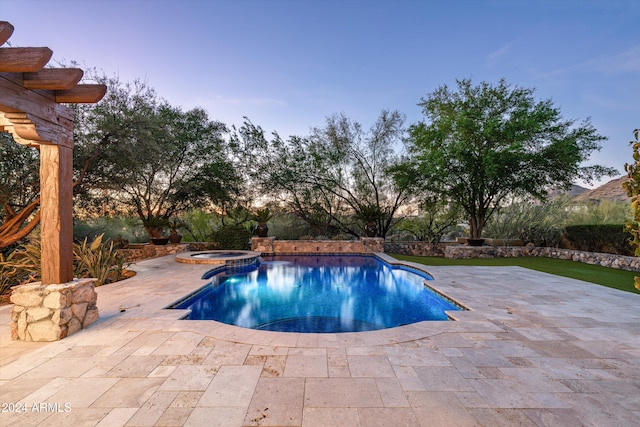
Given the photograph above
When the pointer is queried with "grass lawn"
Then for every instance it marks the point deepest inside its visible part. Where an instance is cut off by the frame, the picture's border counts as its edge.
(611, 277)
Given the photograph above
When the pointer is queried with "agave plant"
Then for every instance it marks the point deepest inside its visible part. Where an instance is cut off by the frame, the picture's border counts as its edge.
(97, 260)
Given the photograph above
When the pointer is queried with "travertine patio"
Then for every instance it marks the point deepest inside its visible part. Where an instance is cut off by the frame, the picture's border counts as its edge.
(537, 350)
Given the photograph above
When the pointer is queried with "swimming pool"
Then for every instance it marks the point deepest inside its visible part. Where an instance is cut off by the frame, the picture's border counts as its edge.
(305, 293)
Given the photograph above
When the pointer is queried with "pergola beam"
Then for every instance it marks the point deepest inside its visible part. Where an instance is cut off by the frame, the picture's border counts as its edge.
(6, 29)
(24, 59)
(81, 94)
(53, 78)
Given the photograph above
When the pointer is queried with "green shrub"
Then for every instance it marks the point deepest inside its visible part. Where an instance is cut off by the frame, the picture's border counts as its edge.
(541, 235)
(233, 237)
(607, 238)
(98, 260)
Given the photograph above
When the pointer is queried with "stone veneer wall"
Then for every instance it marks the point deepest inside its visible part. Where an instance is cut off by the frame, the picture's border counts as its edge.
(465, 252)
(138, 252)
(269, 245)
(52, 312)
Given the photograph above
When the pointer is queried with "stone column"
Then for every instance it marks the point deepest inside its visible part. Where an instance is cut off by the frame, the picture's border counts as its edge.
(51, 312)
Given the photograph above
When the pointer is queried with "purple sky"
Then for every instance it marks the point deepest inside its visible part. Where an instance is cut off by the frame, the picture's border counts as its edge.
(287, 65)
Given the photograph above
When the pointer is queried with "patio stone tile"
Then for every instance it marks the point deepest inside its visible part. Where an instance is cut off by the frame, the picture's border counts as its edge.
(442, 378)
(29, 418)
(135, 366)
(149, 339)
(72, 367)
(556, 417)
(391, 392)
(45, 392)
(439, 409)
(162, 371)
(334, 417)
(173, 417)
(189, 377)
(564, 349)
(181, 343)
(276, 402)
(504, 394)
(561, 368)
(76, 417)
(388, 417)
(502, 417)
(129, 393)
(83, 392)
(306, 351)
(408, 378)
(17, 390)
(485, 356)
(187, 399)
(471, 399)
(232, 386)
(535, 380)
(152, 409)
(117, 417)
(599, 410)
(306, 366)
(228, 416)
(268, 350)
(342, 393)
(370, 366)
(416, 356)
(274, 366)
(225, 353)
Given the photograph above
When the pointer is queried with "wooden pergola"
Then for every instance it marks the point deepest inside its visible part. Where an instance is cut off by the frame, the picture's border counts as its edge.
(31, 98)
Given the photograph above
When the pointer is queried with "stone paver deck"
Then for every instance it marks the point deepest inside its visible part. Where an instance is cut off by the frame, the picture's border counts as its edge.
(536, 350)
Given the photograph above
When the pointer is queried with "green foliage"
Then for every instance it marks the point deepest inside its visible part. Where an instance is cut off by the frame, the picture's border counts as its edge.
(602, 212)
(233, 237)
(261, 216)
(484, 145)
(632, 187)
(97, 260)
(19, 266)
(437, 217)
(200, 225)
(329, 178)
(541, 235)
(608, 238)
(530, 221)
(113, 228)
(148, 157)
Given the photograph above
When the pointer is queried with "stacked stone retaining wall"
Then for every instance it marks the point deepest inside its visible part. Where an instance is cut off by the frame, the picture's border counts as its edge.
(464, 252)
(269, 245)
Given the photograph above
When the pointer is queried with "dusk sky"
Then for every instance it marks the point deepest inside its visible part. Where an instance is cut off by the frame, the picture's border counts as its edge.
(287, 65)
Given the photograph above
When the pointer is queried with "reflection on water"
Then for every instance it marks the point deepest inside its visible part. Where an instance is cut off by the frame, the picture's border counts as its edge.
(315, 293)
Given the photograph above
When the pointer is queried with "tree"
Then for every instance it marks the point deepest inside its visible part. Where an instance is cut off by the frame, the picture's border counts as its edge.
(482, 145)
(632, 187)
(135, 152)
(336, 179)
(19, 190)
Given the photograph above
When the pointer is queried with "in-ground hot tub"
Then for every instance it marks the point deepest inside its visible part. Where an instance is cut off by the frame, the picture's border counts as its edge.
(227, 257)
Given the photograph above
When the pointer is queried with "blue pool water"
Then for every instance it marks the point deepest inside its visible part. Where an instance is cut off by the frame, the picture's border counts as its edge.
(317, 294)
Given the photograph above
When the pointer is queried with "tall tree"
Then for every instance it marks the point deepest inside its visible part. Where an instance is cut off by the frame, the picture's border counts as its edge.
(336, 179)
(135, 152)
(481, 145)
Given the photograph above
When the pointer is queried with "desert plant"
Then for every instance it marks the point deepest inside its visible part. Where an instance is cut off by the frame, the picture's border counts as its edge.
(632, 187)
(98, 260)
